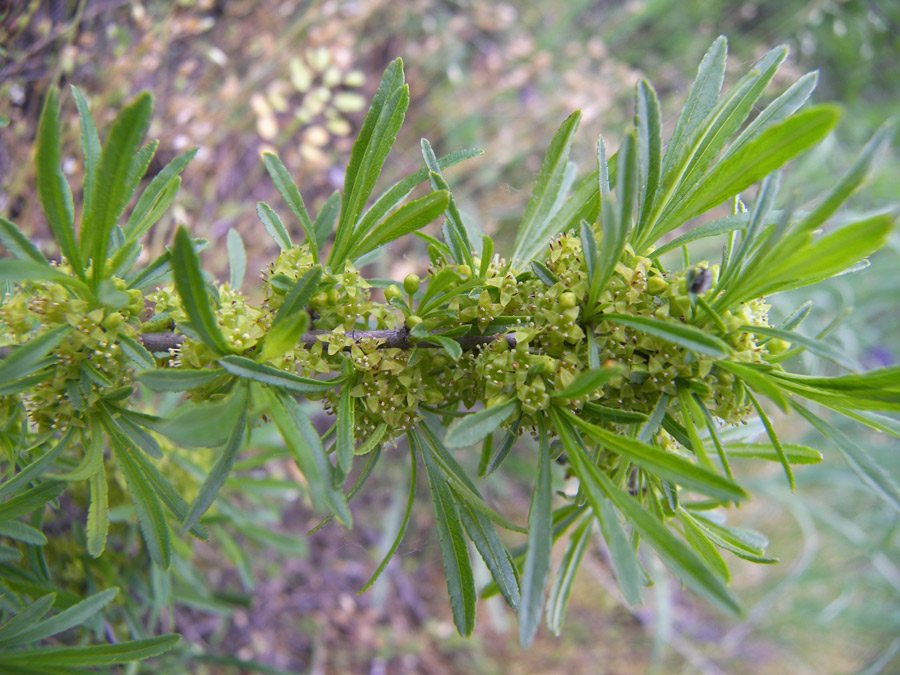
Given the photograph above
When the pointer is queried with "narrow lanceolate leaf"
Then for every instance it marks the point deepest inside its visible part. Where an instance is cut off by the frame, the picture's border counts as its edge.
(17, 271)
(346, 427)
(683, 335)
(814, 346)
(540, 541)
(20, 246)
(371, 148)
(473, 428)
(157, 196)
(408, 218)
(30, 500)
(291, 195)
(29, 357)
(732, 223)
(52, 187)
(149, 511)
(90, 146)
(588, 382)
(767, 152)
(37, 468)
(457, 238)
(136, 353)
(112, 190)
(796, 454)
(776, 443)
(98, 515)
(454, 552)
(757, 379)
(681, 559)
(324, 222)
(170, 379)
(649, 146)
(665, 465)
(272, 222)
(292, 318)
(219, 473)
(859, 460)
(402, 531)
(259, 372)
(534, 232)
(69, 618)
(701, 100)
(22, 660)
(237, 259)
(192, 291)
(558, 598)
(497, 559)
(305, 445)
(27, 617)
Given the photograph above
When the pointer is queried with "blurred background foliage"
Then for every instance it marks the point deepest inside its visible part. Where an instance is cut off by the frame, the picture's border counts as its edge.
(241, 77)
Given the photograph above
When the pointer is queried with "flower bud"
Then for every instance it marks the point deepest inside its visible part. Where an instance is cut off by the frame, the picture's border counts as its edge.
(411, 283)
(391, 292)
(413, 320)
(464, 271)
(568, 300)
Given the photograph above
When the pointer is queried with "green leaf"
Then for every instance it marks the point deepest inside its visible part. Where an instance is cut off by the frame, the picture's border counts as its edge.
(850, 181)
(402, 531)
(30, 500)
(237, 258)
(113, 190)
(457, 567)
(778, 110)
(136, 353)
(305, 447)
(157, 197)
(393, 195)
(292, 319)
(204, 425)
(701, 101)
(288, 190)
(683, 335)
(534, 231)
(497, 559)
(746, 544)
(689, 567)
(17, 271)
(52, 187)
(450, 345)
(29, 357)
(773, 148)
(588, 382)
(217, 475)
(38, 467)
(19, 245)
(272, 222)
(27, 617)
(770, 431)
(796, 454)
(98, 515)
(460, 483)
(371, 148)
(259, 372)
(15, 529)
(565, 575)
(170, 379)
(473, 428)
(814, 346)
(324, 222)
(194, 297)
(346, 430)
(701, 543)
(90, 656)
(758, 380)
(537, 557)
(665, 465)
(90, 146)
(713, 228)
(73, 616)
(408, 218)
(648, 134)
(542, 272)
(859, 460)
(456, 236)
(149, 511)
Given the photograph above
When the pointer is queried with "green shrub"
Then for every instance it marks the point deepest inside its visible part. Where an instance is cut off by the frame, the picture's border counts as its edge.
(634, 376)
